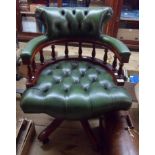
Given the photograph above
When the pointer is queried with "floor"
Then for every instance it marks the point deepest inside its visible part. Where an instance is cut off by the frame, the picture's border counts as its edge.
(70, 138)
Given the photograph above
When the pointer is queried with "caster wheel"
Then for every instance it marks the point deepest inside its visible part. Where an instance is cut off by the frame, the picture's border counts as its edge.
(45, 141)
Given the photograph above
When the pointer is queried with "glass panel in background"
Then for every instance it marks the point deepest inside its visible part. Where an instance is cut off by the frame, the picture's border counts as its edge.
(130, 14)
(72, 3)
(129, 21)
(28, 7)
(29, 24)
(97, 3)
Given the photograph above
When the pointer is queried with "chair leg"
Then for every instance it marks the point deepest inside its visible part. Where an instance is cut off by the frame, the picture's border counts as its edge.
(90, 133)
(43, 136)
(101, 129)
(103, 138)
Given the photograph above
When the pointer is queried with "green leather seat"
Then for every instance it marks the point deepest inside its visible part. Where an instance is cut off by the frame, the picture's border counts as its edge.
(75, 90)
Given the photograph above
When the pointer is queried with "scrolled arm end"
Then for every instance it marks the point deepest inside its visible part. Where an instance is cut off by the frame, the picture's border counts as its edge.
(27, 52)
(120, 48)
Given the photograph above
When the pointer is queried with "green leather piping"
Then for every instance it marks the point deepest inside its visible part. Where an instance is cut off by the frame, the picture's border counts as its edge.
(121, 49)
(31, 46)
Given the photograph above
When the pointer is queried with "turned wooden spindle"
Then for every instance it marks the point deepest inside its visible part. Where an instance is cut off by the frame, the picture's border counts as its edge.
(29, 72)
(33, 66)
(53, 52)
(114, 64)
(66, 50)
(93, 52)
(41, 57)
(80, 49)
(120, 70)
(105, 55)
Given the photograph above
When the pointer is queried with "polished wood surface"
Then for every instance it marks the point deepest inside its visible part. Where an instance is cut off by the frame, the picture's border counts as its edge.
(34, 69)
(113, 24)
(119, 140)
(18, 18)
(117, 135)
(85, 124)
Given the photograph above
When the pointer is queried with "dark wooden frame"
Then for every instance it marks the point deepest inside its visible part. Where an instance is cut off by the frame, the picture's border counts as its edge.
(114, 69)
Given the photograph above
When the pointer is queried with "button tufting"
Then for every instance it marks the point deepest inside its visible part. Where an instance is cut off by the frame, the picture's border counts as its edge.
(82, 74)
(66, 74)
(74, 66)
(58, 26)
(66, 90)
(98, 72)
(89, 67)
(63, 12)
(94, 80)
(105, 87)
(57, 81)
(74, 12)
(86, 12)
(50, 73)
(57, 67)
(45, 90)
(85, 88)
(53, 93)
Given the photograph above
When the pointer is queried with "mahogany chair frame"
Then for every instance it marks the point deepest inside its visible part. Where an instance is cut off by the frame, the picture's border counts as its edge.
(114, 69)
(34, 69)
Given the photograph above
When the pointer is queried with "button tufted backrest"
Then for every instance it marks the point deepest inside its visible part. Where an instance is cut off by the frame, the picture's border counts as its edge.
(73, 22)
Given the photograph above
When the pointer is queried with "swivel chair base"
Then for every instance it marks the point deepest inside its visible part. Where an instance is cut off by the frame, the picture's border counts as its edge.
(44, 135)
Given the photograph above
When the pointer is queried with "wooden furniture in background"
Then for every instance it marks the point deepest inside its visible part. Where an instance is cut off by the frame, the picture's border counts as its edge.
(112, 27)
(26, 36)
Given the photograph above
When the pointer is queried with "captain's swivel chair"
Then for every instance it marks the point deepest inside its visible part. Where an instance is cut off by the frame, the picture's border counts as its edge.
(74, 87)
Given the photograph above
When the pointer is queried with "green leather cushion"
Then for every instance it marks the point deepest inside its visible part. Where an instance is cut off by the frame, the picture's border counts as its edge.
(75, 90)
(73, 22)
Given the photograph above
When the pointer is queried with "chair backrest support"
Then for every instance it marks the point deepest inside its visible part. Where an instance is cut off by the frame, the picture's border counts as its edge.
(80, 25)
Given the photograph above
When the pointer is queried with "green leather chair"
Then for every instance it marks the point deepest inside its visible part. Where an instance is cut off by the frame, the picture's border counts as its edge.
(74, 87)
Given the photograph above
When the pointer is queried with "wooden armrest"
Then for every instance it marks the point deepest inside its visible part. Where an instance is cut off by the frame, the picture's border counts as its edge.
(121, 49)
(27, 52)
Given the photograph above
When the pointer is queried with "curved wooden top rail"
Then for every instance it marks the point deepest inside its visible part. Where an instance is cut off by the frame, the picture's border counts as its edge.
(34, 70)
(64, 41)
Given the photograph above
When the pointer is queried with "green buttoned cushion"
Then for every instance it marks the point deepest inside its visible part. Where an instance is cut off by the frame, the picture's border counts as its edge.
(75, 90)
(73, 22)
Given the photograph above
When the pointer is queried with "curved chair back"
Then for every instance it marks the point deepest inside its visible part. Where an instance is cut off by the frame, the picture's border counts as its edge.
(63, 23)
(81, 26)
